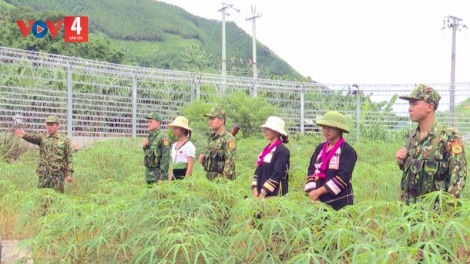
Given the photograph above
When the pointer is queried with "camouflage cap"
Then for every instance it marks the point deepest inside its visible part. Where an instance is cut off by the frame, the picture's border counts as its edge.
(155, 116)
(52, 119)
(423, 92)
(216, 112)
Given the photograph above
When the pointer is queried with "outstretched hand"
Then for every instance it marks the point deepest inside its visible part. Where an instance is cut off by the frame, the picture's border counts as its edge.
(19, 133)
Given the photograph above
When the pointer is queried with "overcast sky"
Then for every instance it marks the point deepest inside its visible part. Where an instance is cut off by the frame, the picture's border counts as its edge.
(353, 41)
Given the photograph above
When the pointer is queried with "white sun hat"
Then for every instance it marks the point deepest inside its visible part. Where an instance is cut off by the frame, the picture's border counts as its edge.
(275, 123)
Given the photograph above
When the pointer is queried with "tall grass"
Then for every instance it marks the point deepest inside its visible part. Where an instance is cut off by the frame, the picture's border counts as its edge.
(108, 215)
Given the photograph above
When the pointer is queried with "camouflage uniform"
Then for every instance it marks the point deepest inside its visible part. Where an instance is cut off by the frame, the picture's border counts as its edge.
(436, 163)
(157, 154)
(220, 152)
(55, 158)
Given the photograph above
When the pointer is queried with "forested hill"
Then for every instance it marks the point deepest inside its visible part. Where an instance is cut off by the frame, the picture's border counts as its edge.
(143, 32)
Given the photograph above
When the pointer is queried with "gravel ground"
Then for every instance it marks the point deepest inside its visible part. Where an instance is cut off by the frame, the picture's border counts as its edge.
(10, 253)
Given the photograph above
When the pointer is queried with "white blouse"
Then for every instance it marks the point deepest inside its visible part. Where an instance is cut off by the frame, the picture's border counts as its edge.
(183, 153)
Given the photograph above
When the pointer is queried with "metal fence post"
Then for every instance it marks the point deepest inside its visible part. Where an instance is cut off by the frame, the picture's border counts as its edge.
(358, 115)
(198, 88)
(69, 102)
(302, 110)
(134, 106)
(192, 79)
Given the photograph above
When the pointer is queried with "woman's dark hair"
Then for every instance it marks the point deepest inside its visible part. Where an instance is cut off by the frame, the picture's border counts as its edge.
(187, 132)
(285, 139)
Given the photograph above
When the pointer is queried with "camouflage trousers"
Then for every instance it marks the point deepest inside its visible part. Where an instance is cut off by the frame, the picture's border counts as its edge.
(55, 181)
(152, 175)
(213, 176)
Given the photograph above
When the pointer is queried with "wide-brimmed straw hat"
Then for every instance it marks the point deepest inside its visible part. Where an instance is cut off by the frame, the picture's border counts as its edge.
(333, 119)
(275, 123)
(180, 121)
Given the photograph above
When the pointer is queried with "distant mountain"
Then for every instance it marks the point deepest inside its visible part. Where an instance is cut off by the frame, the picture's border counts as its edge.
(150, 34)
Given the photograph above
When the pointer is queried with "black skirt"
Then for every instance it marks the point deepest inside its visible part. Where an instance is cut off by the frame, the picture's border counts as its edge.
(178, 174)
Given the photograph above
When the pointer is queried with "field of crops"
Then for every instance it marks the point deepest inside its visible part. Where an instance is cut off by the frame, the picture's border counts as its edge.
(107, 215)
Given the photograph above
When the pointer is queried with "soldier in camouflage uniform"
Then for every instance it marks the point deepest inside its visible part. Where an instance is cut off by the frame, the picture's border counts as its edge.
(55, 155)
(433, 158)
(218, 157)
(157, 151)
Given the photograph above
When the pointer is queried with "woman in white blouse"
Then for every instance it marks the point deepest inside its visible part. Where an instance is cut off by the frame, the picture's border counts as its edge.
(183, 151)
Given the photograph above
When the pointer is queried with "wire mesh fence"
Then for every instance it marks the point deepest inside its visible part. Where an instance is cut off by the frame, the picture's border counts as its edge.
(98, 99)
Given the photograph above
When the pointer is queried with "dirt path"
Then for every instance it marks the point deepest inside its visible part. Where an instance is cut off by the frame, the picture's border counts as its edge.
(10, 252)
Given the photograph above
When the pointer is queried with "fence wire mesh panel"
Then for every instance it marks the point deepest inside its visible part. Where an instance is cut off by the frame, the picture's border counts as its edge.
(98, 99)
(215, 85)
(286, 95)
(101, 103)
(29, 93)
(164, 95)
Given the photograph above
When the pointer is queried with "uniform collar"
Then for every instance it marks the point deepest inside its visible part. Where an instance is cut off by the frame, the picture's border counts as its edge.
(223, 132)
(56, 135)
(154, 132)
(432, 131)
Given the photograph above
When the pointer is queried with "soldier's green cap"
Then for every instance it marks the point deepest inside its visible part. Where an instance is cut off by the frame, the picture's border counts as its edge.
(216, 112)
(423, 92)
(52, 119)
(155, 116)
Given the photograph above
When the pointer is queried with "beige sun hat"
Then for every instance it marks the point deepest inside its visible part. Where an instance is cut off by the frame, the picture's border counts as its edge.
(180, 121)
(275, 123)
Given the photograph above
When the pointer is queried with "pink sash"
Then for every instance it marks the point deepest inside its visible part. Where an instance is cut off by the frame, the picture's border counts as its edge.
(326, 158)
(266, 150)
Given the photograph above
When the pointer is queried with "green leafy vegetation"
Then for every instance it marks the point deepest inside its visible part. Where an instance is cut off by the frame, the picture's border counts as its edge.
(247, 112)
(108, 215)
(145, 33)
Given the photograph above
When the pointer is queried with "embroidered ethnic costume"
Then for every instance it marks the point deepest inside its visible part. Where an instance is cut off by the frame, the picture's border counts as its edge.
(272, 174)
(337, 177)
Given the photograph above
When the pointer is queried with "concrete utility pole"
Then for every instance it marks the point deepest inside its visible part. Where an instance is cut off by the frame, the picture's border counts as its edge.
(253, 19)
(454, 24)
(223, 10)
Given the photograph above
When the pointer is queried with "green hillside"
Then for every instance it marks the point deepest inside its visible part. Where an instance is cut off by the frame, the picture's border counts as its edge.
(153, 34)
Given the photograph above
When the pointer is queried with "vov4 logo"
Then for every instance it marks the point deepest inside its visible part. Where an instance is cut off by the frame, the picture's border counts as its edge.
(75, 28)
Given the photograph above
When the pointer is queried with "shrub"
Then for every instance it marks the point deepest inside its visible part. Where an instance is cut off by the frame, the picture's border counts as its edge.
(11, 147)
(245, 111)
(109, 215)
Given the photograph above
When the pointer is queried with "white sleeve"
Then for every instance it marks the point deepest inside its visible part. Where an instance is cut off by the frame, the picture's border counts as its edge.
(191, 150)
